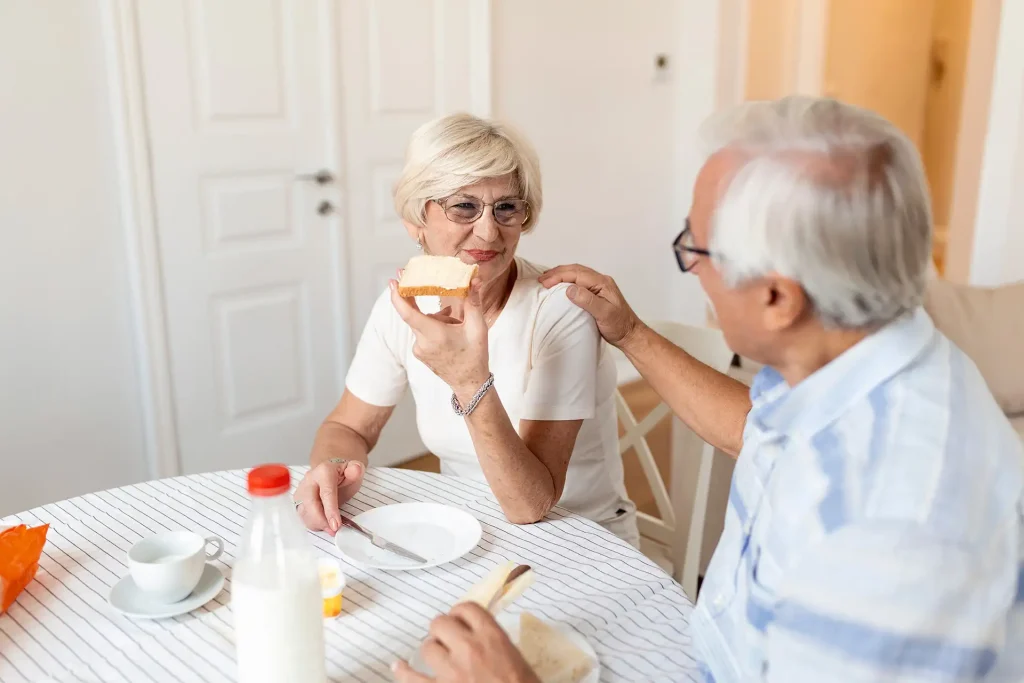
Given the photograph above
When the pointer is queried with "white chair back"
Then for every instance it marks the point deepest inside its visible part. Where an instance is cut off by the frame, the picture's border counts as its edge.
(709, 347)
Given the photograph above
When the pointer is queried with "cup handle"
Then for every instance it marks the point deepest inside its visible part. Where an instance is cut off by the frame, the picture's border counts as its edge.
(210, 557)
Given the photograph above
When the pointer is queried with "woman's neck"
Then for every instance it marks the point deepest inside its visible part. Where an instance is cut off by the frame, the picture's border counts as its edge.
(495, 294)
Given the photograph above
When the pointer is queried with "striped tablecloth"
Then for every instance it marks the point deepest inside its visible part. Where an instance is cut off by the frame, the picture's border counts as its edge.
(62, 629)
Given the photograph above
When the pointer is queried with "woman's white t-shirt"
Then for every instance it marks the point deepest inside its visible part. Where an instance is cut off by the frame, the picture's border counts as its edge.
(549, 363)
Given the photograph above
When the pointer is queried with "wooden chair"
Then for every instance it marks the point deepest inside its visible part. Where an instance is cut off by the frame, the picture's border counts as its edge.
(707, 346)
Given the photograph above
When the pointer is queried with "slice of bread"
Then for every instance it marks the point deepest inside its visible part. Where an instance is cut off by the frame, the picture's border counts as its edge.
(483, 591)
(551, 655)
(436, 276)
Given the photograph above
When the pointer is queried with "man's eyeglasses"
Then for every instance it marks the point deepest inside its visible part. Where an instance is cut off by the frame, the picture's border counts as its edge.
(512, 213)
(686, 253)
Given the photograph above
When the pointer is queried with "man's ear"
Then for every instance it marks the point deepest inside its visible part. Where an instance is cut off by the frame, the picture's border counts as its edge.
(784, 302)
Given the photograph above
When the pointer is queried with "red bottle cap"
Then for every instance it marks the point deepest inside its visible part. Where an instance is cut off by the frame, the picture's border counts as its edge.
(269, 480)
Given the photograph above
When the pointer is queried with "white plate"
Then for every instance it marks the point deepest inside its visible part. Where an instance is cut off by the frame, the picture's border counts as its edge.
(440, 533)
(127, 599)
(510, 622)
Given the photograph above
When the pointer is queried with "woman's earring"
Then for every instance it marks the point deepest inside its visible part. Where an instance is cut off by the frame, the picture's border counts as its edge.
(419, 245)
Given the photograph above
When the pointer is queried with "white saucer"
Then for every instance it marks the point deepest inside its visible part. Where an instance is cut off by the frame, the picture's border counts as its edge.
(127, 599)
(440, 533)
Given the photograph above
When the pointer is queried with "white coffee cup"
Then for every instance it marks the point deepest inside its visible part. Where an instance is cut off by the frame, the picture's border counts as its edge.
(166, 567)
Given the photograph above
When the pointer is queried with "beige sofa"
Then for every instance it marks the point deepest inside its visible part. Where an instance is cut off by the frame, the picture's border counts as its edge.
(988, 325)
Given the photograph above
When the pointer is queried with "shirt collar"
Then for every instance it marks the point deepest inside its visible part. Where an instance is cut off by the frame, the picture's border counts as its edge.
(818, 400)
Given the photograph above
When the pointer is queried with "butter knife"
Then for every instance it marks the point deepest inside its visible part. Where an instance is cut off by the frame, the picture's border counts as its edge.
(512, 576)
(382, 543)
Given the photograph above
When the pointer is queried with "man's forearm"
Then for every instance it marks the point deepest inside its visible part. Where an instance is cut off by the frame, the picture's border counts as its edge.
(714, 405)
(334, 440)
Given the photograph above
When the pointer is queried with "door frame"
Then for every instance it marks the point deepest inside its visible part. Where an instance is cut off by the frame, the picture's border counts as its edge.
(119, 29)
(992, 110)
(138, 217)
(990, 149)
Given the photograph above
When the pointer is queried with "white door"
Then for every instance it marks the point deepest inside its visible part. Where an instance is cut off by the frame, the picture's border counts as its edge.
(239, 105)
(265, 296)
(404, 63)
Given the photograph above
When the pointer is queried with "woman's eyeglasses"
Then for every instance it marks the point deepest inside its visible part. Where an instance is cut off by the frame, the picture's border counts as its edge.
(687, 254)
(512, 213)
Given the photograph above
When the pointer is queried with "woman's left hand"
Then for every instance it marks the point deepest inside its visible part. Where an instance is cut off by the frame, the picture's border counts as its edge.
(455, 350)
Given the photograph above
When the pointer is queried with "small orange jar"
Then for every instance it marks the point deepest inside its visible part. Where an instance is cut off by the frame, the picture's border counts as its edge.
(332, 586)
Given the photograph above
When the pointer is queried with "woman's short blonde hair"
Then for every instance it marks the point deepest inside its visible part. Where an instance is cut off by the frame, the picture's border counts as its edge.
(454, 151)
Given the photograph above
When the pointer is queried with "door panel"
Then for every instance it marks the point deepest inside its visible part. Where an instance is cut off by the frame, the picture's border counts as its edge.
(948, 76)
(235, 99)
(773, 48)
(878, 56)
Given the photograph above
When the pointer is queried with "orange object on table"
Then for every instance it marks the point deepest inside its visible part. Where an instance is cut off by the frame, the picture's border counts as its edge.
(20, 549)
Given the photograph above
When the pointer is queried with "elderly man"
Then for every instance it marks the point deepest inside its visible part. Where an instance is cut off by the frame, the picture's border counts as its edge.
(874, 526)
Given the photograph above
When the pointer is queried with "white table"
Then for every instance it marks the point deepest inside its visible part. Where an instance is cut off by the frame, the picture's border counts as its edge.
(62, 629)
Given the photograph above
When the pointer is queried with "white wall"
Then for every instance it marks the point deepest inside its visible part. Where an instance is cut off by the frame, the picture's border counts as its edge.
(578, 78)
(571, 74)
(709, 47)
(998, 250)
(69, 414)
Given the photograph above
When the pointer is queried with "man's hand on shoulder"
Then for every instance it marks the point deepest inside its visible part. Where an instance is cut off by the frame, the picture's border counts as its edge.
(598, 295)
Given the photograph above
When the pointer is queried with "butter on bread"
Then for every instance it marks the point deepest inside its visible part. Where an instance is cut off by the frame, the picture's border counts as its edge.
(483, 591)
(551, 655)
(436, 276)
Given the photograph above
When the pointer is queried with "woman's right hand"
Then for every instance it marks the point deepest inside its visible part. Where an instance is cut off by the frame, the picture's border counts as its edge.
(324, 489)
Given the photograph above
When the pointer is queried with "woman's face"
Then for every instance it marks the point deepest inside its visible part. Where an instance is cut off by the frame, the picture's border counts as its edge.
(484, 242)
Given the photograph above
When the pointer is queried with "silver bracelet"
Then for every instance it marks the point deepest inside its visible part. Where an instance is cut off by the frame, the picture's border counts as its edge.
(473, 402)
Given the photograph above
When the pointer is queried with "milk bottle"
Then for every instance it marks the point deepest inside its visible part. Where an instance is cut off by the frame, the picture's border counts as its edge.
(275, 592)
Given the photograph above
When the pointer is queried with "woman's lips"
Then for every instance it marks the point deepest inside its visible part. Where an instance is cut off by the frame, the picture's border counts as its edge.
(478, 255)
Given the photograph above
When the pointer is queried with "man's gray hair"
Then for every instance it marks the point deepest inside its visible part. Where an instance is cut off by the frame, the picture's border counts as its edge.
(830, 195)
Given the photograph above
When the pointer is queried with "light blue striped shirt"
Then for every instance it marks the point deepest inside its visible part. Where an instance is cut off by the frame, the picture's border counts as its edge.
(874, 526)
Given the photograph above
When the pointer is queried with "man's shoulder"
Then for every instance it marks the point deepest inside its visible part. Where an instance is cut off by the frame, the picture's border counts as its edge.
(934, 403)
(931, 446)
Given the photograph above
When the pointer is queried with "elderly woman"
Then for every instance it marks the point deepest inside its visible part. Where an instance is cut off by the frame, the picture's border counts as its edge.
(533, 386)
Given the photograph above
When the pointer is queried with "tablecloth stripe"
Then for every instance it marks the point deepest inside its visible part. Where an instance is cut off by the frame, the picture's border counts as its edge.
(62, 629)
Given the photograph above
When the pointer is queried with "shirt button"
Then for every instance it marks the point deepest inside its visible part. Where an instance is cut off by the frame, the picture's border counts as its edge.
(719, 602)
